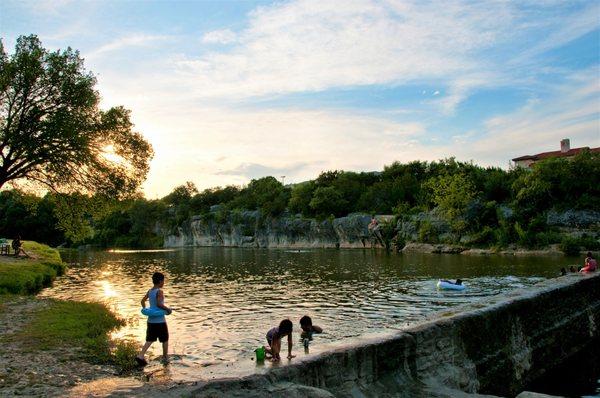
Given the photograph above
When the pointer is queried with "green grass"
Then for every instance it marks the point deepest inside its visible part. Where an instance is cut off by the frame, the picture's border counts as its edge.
(71, 324)
(30, 275)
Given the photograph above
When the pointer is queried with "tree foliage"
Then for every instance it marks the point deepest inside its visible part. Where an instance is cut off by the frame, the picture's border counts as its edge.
(52, 131)
(491, 205)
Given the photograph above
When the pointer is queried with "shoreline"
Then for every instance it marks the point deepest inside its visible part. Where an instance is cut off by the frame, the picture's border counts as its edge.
(411, 247)
(49, 346)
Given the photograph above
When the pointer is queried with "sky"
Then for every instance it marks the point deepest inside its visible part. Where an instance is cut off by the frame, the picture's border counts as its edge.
(227, 91)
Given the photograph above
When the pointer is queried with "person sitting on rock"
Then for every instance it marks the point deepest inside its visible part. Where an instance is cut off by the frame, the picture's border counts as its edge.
(17, 246)
(590, 263)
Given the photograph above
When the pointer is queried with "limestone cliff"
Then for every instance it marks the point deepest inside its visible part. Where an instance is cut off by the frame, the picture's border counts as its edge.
(250, 229)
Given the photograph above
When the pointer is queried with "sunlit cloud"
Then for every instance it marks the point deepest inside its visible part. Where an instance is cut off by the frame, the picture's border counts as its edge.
(223, 36)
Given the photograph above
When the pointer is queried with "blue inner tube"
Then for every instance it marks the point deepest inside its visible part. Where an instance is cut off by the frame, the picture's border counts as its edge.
(153, 311)
(449, 286)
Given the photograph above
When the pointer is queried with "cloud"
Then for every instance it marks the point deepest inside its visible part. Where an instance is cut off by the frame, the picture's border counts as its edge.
(249, 144)
(256, 170)
(570, 27)
(312, 46)
(569, 111)
(52, 7)
(461, 87)
(223, 36)
(133, 40)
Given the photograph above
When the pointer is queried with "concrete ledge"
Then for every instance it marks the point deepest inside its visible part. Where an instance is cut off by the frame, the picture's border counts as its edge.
(494, 346)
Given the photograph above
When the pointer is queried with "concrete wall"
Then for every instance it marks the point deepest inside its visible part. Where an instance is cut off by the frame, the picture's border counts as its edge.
(496, 346)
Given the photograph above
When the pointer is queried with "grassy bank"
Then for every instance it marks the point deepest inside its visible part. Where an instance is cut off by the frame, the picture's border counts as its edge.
(29, 275)
(61, 324)
(69, 323)
(79, 328)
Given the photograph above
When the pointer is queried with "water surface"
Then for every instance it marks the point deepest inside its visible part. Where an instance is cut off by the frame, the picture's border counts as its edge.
(225, 299)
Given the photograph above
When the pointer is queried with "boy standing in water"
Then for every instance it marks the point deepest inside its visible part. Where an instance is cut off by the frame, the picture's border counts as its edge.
(157, 325)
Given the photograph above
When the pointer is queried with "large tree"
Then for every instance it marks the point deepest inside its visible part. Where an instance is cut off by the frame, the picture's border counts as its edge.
(52, 131)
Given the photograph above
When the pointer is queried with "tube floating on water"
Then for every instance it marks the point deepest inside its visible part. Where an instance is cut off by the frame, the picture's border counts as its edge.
(154, 311)
(449, 286)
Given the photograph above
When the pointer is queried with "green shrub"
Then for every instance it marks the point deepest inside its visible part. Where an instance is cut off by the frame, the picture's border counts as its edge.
(526, 237)
(484, 237)
(570, 246)
(123, 355)
(398, 242)
(427, 232)
(589, 243)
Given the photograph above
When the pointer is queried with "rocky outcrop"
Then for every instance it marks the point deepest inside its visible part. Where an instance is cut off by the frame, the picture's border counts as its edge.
(250, 229)
(431, 248)
(497, 346)
(574, 219)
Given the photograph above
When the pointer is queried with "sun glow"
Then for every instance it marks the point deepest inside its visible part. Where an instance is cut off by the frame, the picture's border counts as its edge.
(108, 153)
(108, 289)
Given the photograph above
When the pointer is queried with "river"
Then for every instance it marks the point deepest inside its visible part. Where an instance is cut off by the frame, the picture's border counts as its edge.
(225, 299)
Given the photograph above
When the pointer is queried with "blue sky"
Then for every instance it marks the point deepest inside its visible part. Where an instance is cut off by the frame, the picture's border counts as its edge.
(228, 90)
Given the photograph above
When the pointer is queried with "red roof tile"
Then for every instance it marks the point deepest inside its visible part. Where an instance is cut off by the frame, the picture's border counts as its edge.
(556, 154)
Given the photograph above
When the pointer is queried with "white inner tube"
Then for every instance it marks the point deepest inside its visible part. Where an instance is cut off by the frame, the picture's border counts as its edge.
(449, 286)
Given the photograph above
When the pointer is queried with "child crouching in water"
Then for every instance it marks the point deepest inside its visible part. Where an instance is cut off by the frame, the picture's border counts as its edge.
(274, 337)
(308, 329)
(157, 325)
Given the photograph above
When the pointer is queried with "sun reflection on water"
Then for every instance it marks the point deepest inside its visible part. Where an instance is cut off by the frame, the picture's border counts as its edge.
(108, 289)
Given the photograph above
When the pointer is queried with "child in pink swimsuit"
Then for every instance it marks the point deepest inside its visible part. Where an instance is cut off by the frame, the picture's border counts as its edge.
(590, 263)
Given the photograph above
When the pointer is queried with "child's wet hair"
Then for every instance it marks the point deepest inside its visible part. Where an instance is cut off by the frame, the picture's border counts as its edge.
(157, 278)
(285, 327)
(305, 321)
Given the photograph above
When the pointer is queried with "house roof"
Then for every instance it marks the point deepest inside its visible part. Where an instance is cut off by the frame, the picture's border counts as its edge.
(556, 154)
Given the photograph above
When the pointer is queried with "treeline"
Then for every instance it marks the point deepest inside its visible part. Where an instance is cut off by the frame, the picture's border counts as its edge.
(495, 207)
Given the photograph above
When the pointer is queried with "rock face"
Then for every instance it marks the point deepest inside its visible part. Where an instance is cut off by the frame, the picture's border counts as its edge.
(497, 346)
(250, 229)
(574, 219)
